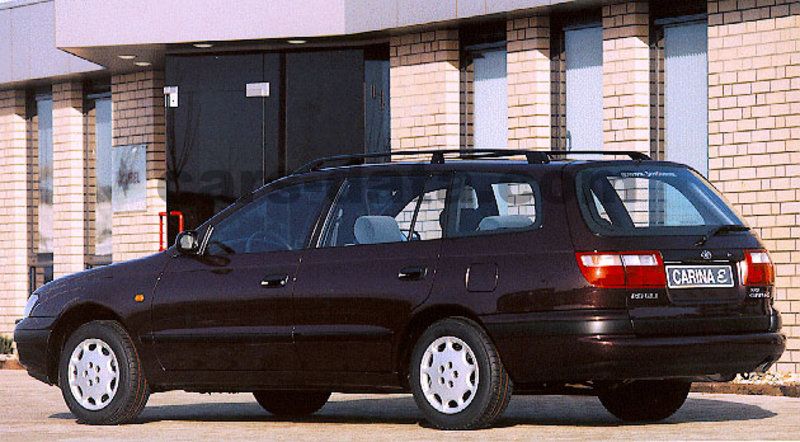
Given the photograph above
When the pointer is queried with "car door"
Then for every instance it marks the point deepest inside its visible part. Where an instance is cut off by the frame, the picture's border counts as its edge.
(505, 257)
(229, 307)
(375, 261)
(494, 238)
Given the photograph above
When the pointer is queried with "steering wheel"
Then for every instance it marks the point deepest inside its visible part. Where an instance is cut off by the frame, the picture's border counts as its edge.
(268, 237)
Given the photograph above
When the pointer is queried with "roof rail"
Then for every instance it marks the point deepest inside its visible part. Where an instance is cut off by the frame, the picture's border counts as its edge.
(438, 156)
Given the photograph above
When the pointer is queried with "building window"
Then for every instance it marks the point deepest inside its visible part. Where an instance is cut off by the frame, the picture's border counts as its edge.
(685, 131)
(484, 86)
(44, 111)
(102, 183)
(40, 118)
(487, 84)
(583, 95)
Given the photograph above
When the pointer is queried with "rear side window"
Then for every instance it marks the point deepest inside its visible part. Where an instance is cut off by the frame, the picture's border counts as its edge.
(651, 200)
(486, 203)
(381, 209)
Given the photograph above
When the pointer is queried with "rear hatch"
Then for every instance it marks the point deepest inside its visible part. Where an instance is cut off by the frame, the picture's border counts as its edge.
(683, 259)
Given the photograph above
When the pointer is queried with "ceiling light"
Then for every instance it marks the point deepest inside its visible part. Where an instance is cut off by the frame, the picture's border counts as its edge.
(126, 57)
(142, 63)
(296, 42)
(202, 45)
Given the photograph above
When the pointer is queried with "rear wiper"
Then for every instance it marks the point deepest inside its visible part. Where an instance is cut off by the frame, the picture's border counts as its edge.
(725, 228)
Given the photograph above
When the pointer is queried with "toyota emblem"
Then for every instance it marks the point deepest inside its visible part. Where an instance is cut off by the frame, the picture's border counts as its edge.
(705, 254)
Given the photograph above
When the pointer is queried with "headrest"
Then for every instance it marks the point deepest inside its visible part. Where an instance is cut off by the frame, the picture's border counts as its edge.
(468, 198)
(504, 222)
(377, 230)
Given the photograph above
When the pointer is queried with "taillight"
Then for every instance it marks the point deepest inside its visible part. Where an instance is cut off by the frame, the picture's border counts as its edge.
(623, 269)
(758, 268)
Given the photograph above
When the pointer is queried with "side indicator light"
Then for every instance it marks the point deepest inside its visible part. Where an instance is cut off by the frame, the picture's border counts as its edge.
(139, 297)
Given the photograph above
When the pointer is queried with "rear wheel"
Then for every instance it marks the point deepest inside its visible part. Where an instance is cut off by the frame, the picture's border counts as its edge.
(101, 376)
(642, 401)
(457, 377)
(292, 403)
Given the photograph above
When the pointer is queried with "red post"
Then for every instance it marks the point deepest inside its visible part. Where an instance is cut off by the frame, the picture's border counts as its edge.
(161, 216)
(178, 214)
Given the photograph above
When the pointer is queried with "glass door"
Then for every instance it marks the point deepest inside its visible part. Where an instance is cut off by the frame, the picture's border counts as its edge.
(221, 143)
(324, 105)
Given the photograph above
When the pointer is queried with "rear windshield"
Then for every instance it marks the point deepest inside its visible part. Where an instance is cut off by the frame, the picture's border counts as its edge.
(650, 200)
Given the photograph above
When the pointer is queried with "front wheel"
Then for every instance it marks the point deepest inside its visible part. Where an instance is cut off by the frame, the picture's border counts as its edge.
(101, 376)
(643, 401)
(456, 376)
(292, 403)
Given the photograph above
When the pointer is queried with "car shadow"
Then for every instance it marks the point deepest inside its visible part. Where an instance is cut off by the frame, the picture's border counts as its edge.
(401, 410)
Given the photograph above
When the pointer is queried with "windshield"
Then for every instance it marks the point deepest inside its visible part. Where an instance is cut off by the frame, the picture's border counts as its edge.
(650, 199)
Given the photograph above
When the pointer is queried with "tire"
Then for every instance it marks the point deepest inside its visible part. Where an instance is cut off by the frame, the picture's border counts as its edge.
(449, 398)
(645, 401)
(114, 362)
(292, 403)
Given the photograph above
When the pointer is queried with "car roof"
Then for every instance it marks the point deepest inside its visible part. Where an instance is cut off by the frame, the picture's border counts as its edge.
(483, 165)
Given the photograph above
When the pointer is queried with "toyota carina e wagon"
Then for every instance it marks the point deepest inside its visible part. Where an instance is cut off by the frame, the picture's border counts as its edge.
(459, 279)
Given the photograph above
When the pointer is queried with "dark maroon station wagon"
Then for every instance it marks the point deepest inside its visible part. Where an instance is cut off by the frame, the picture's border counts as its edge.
(457, 279)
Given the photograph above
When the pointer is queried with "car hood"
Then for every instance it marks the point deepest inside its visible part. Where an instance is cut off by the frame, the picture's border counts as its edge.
(101, 282)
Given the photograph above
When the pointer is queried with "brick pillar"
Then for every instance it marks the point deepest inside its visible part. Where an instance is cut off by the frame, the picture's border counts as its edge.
(425, 98)
(15, 231)
(754, 134)
(626, 76)
(529, 82)
(69, 180)
(138, 116)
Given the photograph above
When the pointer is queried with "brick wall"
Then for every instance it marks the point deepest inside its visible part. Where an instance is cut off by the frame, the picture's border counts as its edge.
(626, 76)
(754, 133)
(69, 180)
(14, 208)
(138, 116)
(90, 177)
(529, 90)
(425, 98)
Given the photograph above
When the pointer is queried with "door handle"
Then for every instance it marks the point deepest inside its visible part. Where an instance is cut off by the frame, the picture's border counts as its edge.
(412, 273)
(275, 281)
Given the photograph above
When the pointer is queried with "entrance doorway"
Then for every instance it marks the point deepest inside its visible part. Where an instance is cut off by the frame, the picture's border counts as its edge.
(222, 143)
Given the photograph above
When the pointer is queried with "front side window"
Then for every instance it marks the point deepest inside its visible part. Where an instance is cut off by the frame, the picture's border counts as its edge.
(280, 220)
(657, 200)
(386, 209)
(493, 203)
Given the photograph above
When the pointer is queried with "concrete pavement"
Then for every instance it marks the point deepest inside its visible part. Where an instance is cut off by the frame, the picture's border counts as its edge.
(30, 410)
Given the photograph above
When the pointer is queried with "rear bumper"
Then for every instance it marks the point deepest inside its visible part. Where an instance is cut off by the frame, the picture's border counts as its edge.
(32, 336)
(569, 352)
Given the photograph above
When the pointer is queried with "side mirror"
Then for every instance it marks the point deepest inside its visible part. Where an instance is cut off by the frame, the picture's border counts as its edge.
(187, 243)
